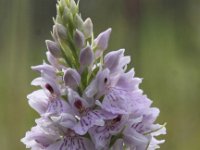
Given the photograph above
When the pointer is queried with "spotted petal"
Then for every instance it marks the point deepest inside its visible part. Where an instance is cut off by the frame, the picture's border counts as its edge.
(57, 106)
(116, 102)
(91, 119)
(100, 137)
(72, 143)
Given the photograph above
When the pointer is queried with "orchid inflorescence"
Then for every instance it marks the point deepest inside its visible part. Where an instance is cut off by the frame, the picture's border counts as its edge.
(88, 101)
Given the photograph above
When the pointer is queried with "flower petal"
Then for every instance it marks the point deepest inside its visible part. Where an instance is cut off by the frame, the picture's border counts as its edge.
(71, 143)
(38, 101)
(128, 82)
(118, 145)
(133, 138)
(38, 138)
(112, 60)
(57, 106)
(116, 102)
(74, 97)
(100, 137)
(45, 68)
(102, 40)
(91, 119)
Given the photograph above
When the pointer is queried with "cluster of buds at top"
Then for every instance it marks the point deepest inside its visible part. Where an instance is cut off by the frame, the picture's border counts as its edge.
(88, 101)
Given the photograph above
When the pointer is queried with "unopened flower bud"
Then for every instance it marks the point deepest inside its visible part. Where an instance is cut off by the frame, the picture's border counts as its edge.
(112, 59)
(72, 78)
(63, 2)
(54, 34)
(78, 21)
(102, 40)
(79, 39)
(86, 56)
(53, 48)
(88, 28)
(73, 7)
(67, 15)
(60, 31)
(58, 19)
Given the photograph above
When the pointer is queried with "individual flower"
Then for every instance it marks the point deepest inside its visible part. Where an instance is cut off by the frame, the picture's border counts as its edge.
(101, 135)
(87, 116)
(56, 134)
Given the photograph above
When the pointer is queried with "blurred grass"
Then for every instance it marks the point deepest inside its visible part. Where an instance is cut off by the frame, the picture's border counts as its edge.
(163, 38)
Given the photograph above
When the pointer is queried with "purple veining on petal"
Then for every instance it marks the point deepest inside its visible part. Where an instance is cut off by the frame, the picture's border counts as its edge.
(100, 136)
(88, 120)
(116, 102)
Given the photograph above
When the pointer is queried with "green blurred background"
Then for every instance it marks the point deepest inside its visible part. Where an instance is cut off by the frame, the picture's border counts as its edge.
(162, 36)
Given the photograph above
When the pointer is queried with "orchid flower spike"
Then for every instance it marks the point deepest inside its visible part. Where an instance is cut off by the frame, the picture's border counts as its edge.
(88, 100)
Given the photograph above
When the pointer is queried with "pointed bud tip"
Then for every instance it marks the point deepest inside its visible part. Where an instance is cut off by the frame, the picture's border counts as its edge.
(109, 30)
(103, 39)
(88, 28)
(78, 21)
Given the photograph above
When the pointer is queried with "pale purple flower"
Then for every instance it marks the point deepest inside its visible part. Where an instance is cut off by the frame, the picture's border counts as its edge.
(56, 134)
(38, 139)
(46, 104)
(118, 90)
(87, 116)
(101, 136)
